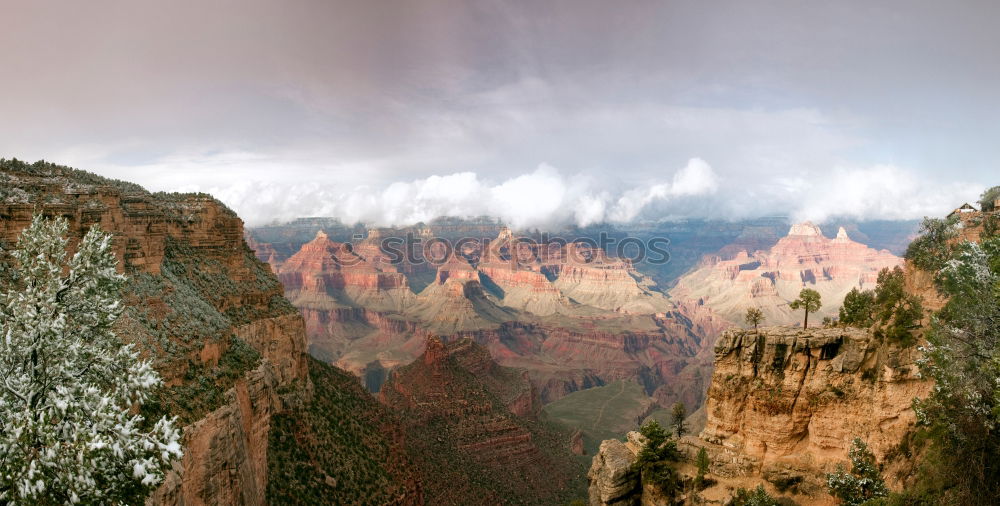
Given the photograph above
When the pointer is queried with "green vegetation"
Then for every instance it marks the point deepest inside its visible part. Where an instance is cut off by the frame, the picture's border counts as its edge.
(858, 309)
(988, 198)
(863, 483)
(657, 457)
(677, 415)
(893, 311)
(203, 388)
(933, 247)
(48, 169)
(809, 300)
(176, 314)
(702, 462)
(755, 497)
(342, 447)
(961, 416)
(897, 312)
(754, 316)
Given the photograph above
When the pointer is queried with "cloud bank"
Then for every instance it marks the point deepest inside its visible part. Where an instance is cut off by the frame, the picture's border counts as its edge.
(548, 197)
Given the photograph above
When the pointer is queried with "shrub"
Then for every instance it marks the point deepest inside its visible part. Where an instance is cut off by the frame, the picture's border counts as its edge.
(755, 497)
(863, 483)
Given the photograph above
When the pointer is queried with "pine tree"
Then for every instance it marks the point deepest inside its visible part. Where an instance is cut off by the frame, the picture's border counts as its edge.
(678, 413)
(69, 387)
(754, 316)
(702, 462)
(809, 300)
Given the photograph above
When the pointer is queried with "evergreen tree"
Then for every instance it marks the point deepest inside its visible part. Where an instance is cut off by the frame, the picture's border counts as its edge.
(862, 483)
(655, 461)
(897, 312)
(69, 387)
(754, 316)
(702, 462)
(677, 415)
(808, 300)
(858, 309)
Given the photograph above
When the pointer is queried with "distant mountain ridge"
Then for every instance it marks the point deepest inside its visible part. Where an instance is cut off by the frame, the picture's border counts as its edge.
(730, 282)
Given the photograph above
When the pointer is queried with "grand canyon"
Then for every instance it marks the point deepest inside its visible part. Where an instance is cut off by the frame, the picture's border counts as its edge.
(447, 252)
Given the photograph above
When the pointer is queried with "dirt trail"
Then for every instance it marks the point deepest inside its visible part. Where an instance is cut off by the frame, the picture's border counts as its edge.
(600, 414)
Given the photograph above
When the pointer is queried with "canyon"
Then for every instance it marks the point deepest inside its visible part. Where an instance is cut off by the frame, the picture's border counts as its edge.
(262, 421)
(570, 314)
(464, 352)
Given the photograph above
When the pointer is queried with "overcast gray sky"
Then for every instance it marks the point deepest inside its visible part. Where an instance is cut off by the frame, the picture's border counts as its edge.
(536, 111)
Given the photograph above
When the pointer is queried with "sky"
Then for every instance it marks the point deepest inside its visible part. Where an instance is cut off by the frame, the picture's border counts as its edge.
(539, 112)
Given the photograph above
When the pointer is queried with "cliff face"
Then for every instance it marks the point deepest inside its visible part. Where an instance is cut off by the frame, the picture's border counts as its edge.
(738, 278)
(788, 402)
(210, 315)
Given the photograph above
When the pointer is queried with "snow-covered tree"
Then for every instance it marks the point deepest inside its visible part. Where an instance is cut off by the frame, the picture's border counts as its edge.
(863, 483)
(70, 431)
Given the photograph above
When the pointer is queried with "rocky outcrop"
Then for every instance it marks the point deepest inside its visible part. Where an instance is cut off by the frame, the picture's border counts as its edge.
(789, 402)
(734, 280)
(225, 453)
(209, 314)
(613, 482)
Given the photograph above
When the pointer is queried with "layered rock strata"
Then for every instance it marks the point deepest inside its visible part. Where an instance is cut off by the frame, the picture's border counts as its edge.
(734, 280)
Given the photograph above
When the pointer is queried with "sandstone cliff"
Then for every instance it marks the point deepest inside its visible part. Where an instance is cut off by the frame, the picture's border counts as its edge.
(790, 401)
(211, 316)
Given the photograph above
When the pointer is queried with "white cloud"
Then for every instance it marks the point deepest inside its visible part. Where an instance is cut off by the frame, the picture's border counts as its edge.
(268, 191)
(881, 191)
(544, 197)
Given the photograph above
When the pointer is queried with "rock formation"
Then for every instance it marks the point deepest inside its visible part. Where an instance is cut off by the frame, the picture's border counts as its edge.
(612, 480)
(790, 401)
(568, 313)
(211, 316)
(475, 425)
(731, 282)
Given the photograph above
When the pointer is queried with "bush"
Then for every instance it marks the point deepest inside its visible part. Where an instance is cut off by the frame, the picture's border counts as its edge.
(863, 482)
(755, 497)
